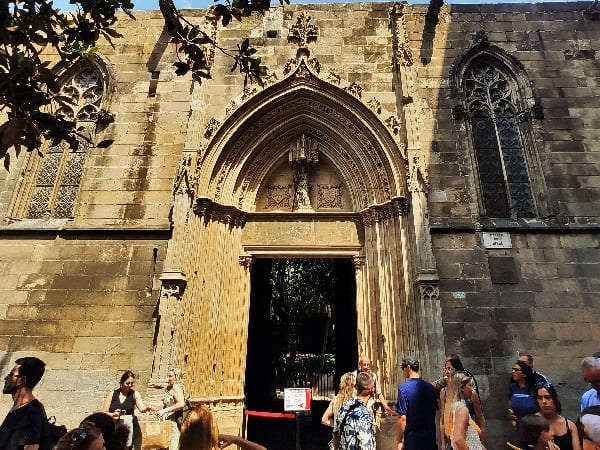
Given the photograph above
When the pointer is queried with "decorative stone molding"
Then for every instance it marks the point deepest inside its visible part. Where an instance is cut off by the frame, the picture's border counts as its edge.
(213, 20)
(354, 89)
(417, 180)
(303, 32)
(334, 78)
(248, 92)
(184, 179)
(279, 197)
(173, 286)
(226, 214)
(330, 143)
(429, 291)
(379, 213)
(289, 65)
(375, 105)
(211, 126)
(105, 117)
(401, 52)
(481, 38)
(394, 125)
(231, 108)
(270, 78)
(315, 65)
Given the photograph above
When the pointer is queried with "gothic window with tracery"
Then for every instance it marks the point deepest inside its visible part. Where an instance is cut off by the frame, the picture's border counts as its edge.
(61, 168)
(503, 174)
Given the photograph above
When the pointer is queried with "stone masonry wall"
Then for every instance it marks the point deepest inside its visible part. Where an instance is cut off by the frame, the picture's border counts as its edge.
(545, 300)
(85, 305)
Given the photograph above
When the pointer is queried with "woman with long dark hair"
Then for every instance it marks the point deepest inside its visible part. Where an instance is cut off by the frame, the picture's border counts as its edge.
(563, 430)
(521, 393)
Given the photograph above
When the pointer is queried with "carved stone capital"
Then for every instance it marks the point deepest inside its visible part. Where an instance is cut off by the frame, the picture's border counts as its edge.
(246, 260)
(358, 262)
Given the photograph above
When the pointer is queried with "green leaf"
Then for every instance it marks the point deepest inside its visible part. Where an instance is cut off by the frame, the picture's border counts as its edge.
(182, 68)
(112, 33)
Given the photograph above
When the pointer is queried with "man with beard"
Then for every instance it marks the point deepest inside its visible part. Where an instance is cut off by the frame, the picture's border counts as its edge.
(24, 424)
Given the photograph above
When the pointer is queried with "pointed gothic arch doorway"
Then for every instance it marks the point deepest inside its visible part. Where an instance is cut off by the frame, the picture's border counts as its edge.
(322, 340)
(303, 169)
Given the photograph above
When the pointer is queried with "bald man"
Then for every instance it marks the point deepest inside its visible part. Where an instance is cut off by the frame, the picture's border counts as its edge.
(364, 364)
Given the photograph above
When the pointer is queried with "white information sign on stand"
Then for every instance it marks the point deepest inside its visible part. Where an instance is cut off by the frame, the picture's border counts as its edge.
(496, 239)
(296, 399)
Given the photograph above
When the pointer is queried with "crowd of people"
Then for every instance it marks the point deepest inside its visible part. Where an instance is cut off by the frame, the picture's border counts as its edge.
(534, 409)
(116, 426)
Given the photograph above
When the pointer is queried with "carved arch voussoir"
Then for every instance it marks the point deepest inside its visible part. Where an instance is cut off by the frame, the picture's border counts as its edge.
(243, 148)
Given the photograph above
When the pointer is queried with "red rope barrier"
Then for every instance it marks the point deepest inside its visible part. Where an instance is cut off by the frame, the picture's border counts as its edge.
(269, 415)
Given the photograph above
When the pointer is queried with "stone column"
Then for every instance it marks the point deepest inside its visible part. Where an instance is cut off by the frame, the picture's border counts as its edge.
(384, 307)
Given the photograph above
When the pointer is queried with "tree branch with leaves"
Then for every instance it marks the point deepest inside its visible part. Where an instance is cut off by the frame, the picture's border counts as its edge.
(30, 89)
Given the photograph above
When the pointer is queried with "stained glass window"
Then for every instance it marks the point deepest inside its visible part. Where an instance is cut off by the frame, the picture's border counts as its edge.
(61, 168)
(503, 175)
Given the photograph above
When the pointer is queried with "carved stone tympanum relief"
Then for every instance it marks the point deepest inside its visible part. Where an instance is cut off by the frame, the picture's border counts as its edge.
(329, 196)
(279, 197)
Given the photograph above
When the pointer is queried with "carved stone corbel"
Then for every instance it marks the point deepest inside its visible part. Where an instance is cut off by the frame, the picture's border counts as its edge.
(173, 284)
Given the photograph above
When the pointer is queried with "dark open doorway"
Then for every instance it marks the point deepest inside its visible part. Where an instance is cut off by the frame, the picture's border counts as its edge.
(302, 333)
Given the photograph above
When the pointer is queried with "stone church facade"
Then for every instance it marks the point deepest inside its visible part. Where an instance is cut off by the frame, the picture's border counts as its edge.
(451, 155)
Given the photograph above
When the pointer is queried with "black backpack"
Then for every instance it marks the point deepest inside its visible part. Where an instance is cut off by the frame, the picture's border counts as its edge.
(51, 433)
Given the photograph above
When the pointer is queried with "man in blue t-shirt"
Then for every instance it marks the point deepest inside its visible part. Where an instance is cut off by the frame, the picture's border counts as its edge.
(417, 404)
